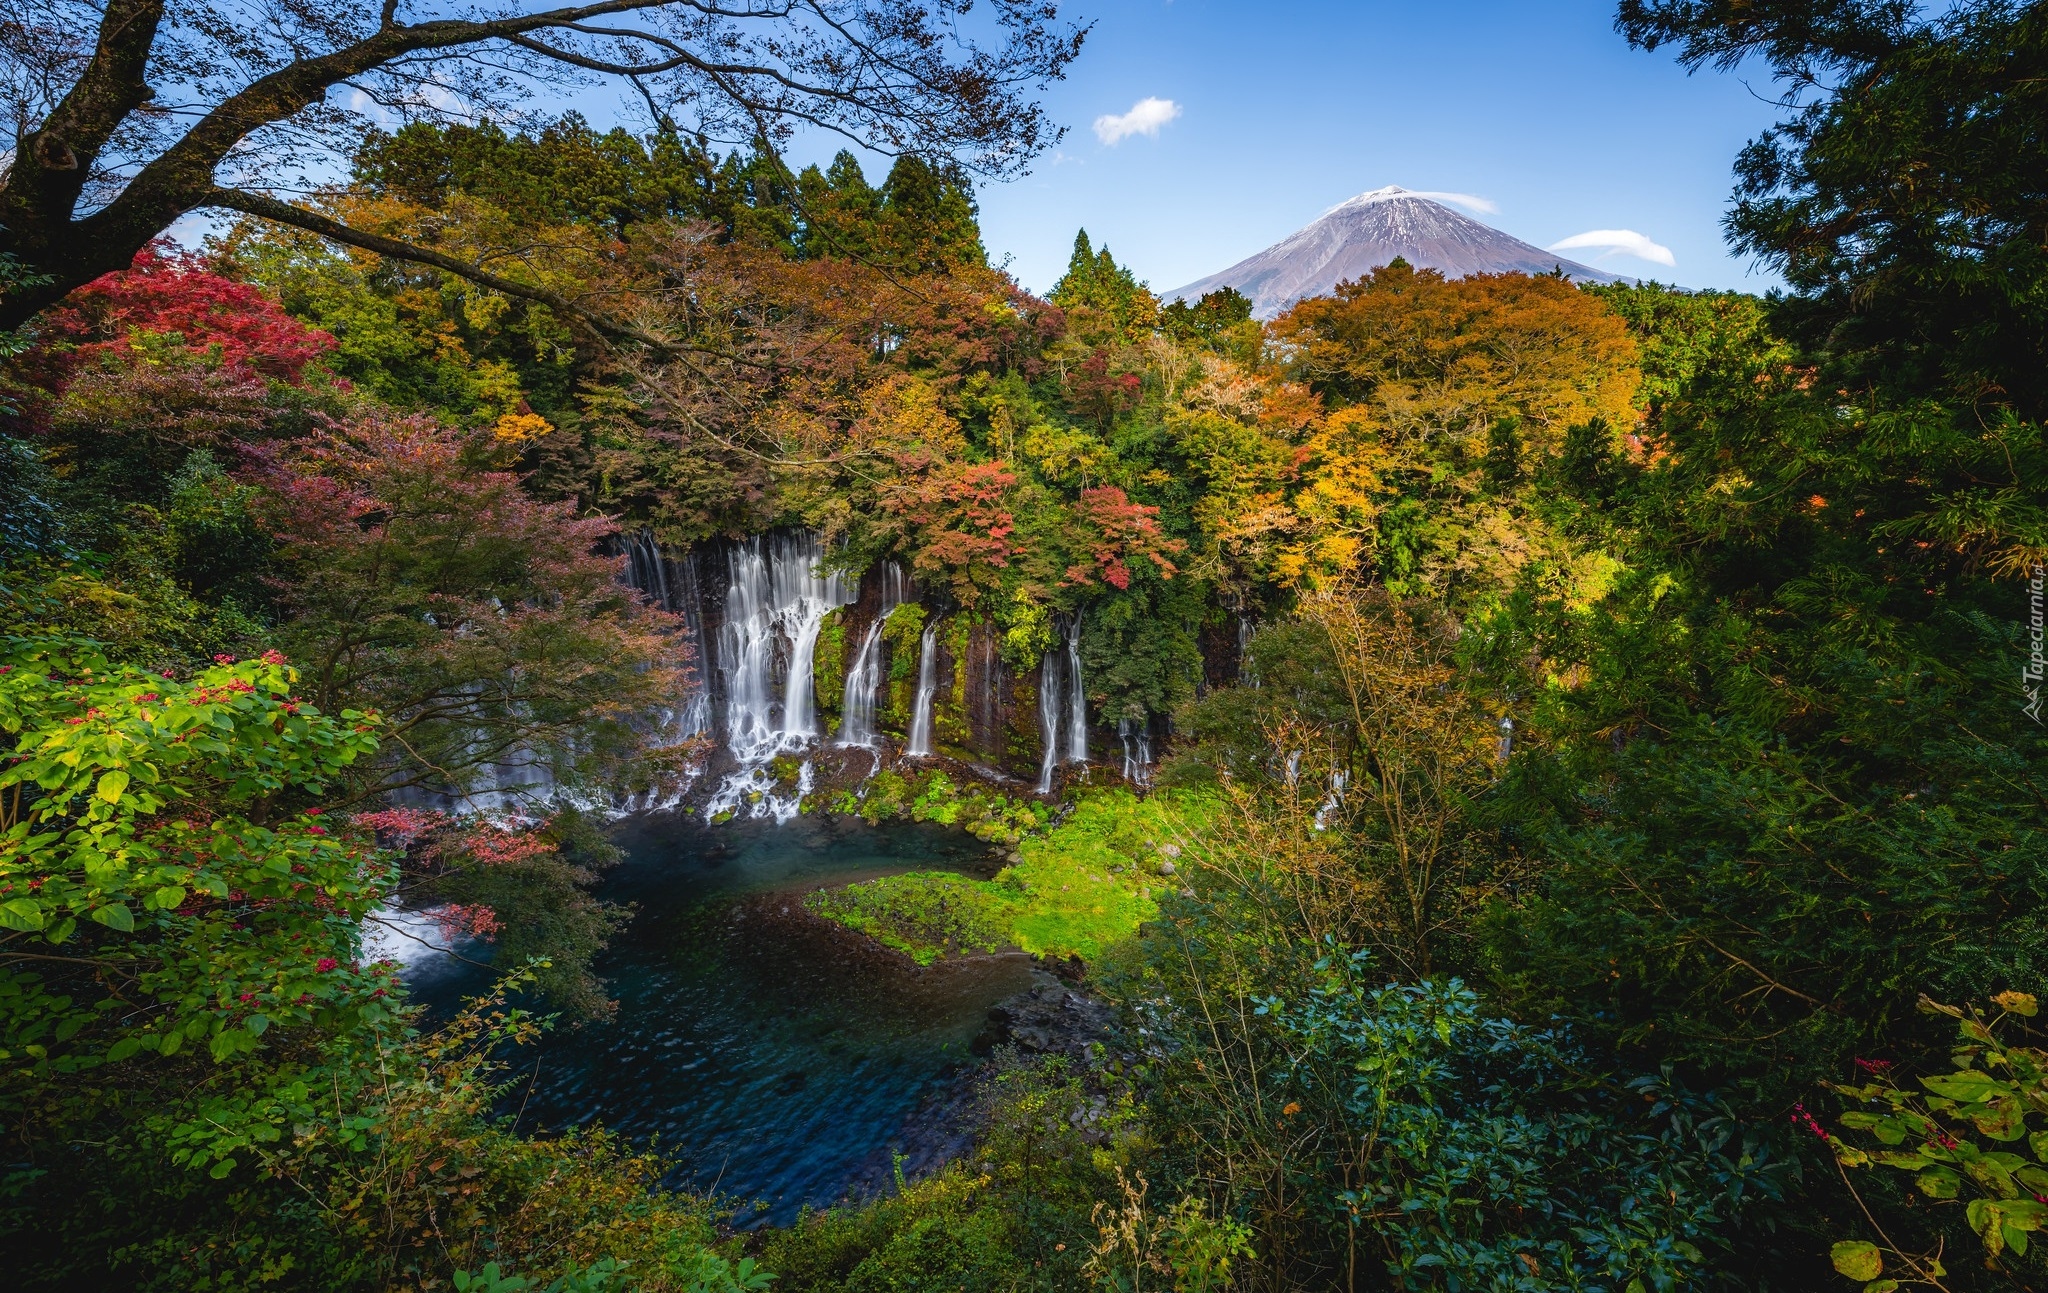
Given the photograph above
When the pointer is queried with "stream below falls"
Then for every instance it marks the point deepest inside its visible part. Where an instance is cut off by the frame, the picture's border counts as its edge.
(776, 1059)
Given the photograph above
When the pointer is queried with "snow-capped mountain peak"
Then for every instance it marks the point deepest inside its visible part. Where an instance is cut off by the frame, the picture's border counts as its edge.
(1360, 234)
(1368, 198)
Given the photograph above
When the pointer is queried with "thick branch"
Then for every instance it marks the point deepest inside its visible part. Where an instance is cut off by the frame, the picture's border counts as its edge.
(53, 161)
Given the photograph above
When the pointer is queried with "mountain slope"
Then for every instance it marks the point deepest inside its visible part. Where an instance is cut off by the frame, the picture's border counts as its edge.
(1358, 236)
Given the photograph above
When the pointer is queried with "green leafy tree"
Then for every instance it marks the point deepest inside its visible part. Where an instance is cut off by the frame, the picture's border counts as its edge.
(1104, 300)
(163, 881)
(1897, 195)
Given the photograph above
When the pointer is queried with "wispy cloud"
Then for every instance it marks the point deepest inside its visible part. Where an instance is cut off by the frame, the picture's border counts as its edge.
(1146, 116)
(1466, 200)
(1626, 242)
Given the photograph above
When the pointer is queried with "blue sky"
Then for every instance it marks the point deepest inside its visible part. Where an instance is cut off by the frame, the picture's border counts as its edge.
(1267, 114)
(1285, 109)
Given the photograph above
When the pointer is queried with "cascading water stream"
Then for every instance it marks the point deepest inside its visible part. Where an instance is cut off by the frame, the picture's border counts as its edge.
(672, 586)
(857, 724)
(920, 743)
(1077, 696)
(1334, 800)
(1049, 718)
(779, 594)
(864, 678)
(1136, 736)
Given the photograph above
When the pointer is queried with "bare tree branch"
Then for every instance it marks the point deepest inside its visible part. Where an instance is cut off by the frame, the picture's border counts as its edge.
(890, 74)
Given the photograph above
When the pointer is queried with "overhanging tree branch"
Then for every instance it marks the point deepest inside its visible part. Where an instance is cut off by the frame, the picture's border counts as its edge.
(284, 213)
(892, 74)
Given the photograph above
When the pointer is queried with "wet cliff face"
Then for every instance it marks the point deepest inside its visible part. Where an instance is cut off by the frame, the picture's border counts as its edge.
(790, 661)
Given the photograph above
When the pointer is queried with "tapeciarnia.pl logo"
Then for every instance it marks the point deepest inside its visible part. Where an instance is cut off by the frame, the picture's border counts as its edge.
(2036, 666)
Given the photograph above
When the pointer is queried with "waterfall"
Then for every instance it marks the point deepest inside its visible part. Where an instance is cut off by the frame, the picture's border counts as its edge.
(672, 585)
(1136, 736)
(920, 746)
(1048, 718)
(857, 723)
(1335, 800)
(779, 594)
(864, 676)
(1077, 698)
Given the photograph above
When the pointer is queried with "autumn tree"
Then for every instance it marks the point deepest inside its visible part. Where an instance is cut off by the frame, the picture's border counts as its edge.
(422, 579)
(1445, 393)
(130, 113)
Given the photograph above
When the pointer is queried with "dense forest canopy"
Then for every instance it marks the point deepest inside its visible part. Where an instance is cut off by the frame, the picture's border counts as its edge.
(1602, 781)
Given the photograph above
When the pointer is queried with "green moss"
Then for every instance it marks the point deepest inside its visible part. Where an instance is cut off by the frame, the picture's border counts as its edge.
(1082, 887)
(904, 632)
(828, 664)
(924, 914)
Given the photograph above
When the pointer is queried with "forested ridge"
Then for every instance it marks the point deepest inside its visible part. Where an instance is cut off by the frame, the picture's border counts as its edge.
(1598, 832)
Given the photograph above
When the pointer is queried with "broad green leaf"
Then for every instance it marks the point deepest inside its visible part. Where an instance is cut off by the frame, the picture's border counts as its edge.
(122, 1049)
(1939, 1183)
(115, 916)
(112, 784)
(2027, 1214)
(1969, 1088)
(2000, 1118)
(22, 913)
(169, 897)
(1858, 1259)
(1987, 1218)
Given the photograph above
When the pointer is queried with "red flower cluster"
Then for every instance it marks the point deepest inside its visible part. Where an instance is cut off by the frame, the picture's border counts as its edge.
(1801, 1118)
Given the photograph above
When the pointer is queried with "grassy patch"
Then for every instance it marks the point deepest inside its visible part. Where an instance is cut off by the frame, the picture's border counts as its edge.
(1086, 884)
(923, 914)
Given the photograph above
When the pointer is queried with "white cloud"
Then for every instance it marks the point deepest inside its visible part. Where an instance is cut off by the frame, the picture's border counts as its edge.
(1465, 200)
(1626, 242)
(1146, 116)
